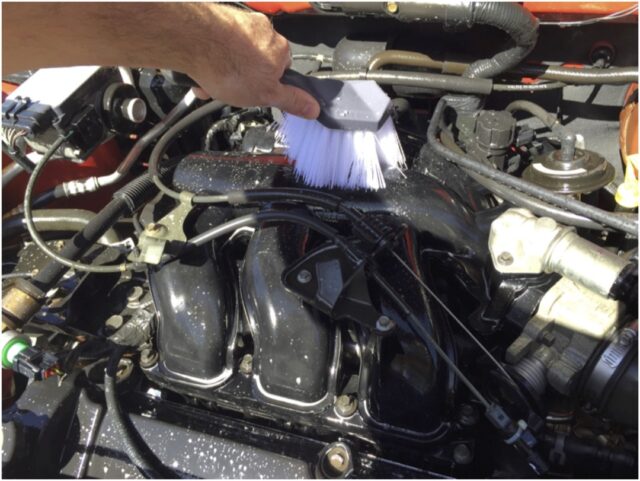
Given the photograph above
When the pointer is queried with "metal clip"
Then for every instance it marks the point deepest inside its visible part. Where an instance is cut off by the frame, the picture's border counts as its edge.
(153, 240)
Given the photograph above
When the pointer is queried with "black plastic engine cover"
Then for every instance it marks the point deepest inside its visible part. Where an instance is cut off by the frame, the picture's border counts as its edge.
(295, 351)
(431, 208)
(195, 324)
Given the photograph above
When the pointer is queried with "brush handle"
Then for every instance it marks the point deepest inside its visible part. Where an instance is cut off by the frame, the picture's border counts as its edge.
(323, 90)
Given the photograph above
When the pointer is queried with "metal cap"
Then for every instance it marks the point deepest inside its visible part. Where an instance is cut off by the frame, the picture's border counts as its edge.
(134, 109)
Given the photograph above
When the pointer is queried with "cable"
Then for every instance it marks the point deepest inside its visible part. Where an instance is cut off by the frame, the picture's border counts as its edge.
(579, 23)
(160, 148)
(629, 226)
(423, 334)
(35, 235)
(55, 220)
(515, 197)
(442, 304)
(17, 275)
(148, 464)
(581, 76)
(18, 158)
(269, 216)
(549, 120)
(560, 74)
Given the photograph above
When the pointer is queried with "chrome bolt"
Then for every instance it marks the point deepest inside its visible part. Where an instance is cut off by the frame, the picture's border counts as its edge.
(505, 258)
(335, 461)
(384, 324)
(304, 276)
(148, 357)
(346, 405)
(156, 229)
(135, 293)
(246, 364)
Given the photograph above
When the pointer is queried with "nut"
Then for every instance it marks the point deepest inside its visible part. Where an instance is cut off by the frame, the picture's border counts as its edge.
(346, 405)
(135, 293)
(392, 7)
(148, 358)
(125, 368)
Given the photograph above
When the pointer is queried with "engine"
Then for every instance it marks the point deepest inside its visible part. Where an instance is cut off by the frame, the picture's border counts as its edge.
(178, 303)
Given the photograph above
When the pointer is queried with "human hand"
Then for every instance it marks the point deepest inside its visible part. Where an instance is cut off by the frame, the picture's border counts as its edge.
(246, 68)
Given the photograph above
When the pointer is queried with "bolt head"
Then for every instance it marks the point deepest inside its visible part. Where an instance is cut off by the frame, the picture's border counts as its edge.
(384, 324)
(148, 357)
(304, 276)
(246, 364)
(505, 258)
(336, 461)
(346, 405)
(156, 229)
(462, 454)
(135, 293)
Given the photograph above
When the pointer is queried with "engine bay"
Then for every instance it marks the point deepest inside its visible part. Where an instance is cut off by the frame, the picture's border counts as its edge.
(188, 307)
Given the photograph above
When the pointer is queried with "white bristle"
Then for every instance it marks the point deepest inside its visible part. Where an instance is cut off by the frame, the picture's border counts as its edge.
(324, 157)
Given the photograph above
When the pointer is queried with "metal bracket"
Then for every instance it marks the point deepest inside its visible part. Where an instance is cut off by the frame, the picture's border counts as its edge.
(156, 235)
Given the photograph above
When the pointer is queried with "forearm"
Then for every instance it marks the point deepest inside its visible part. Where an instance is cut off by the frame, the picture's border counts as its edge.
(160, 35)
(234, 55)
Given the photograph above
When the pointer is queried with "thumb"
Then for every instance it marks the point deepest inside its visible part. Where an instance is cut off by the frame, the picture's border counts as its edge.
(297, 102)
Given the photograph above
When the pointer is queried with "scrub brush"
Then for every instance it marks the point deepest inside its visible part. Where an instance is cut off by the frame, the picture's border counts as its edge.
(351, 144)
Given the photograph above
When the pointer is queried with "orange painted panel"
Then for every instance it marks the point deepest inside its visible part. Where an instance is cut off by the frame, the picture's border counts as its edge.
(585, 8)
(278, 7)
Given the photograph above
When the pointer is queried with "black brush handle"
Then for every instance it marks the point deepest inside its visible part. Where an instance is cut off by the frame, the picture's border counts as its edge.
(323, 90)
(319, 89)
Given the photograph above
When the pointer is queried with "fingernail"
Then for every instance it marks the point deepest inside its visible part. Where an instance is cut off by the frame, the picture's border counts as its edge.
(309, 110)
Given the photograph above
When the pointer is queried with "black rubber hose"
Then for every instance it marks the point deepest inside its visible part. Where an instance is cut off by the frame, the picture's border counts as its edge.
(528, 87)
(44, 198)
(509, 17)
(55, 220)
(579, 448)
(517, 22)
(305, 196)
(125, 201)
(629, 226)
(148, 464)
